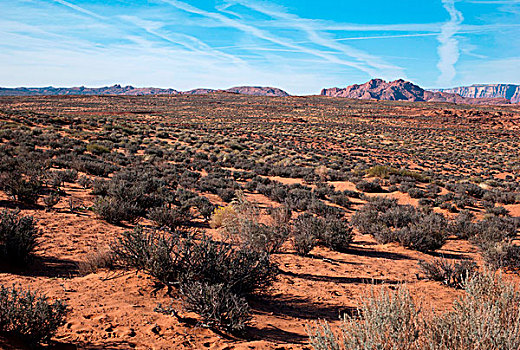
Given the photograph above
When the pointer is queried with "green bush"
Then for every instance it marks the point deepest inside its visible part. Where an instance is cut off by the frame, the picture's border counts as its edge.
(29, 315)
(97, 149)
(385, 172)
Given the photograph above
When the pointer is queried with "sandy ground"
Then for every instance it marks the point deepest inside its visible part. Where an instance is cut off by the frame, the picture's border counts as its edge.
(115, 309)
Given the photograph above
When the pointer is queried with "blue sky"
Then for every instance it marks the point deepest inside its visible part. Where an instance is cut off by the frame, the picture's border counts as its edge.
(300, 46)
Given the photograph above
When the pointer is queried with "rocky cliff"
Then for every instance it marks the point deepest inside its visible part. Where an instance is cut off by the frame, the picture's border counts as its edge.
(508, 91)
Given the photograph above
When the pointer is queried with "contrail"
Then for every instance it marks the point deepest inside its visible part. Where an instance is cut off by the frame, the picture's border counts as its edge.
(449, 45)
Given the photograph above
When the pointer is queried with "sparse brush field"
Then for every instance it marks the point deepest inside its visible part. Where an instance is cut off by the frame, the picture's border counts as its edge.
(226, 221)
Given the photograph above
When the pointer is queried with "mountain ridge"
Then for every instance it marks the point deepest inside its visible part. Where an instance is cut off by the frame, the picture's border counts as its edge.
(135, 91)
(82, 90)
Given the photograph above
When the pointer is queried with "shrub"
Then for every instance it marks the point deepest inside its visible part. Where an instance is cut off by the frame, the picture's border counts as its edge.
(18, 237)
(494, 229)
(341, 200)
(452, 275)
(426, 234)
(129, 195)
(51, 200)
(223, 216)
(25, 190)
(414, 192)
(227, 194)
(370, 187)
(485, 317)
(247, 229)
(385, 172)
(29, 315)
(218, 306)
(502, 254)
(389, 222)
(96, 149)
(170, 217)
(100, 187)
(337, 234)
(463, 226)
(258, 236)
(369, 219)
(203, 205)
(306, 231)
(214, 277)
(58, 178)
(101, 259)
(243, 270)
(114, 211)
(85, 182)
(157, 254)
(498, 211)
(388, 320)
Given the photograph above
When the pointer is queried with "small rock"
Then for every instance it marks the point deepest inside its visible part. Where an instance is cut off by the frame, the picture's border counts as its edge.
(156, 329)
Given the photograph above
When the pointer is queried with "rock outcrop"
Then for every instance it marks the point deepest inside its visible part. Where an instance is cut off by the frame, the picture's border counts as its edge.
(401, 90)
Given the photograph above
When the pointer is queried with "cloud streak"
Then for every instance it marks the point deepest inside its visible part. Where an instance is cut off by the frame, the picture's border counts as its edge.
(448, 48)
(374, 65)
(371, 70)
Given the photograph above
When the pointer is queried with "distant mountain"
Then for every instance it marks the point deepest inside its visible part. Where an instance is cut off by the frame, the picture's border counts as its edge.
(130, 90)
(199, 91)
(258, 91)
(246, 90)
(401, 90)
(106, 90)
(508, 91)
